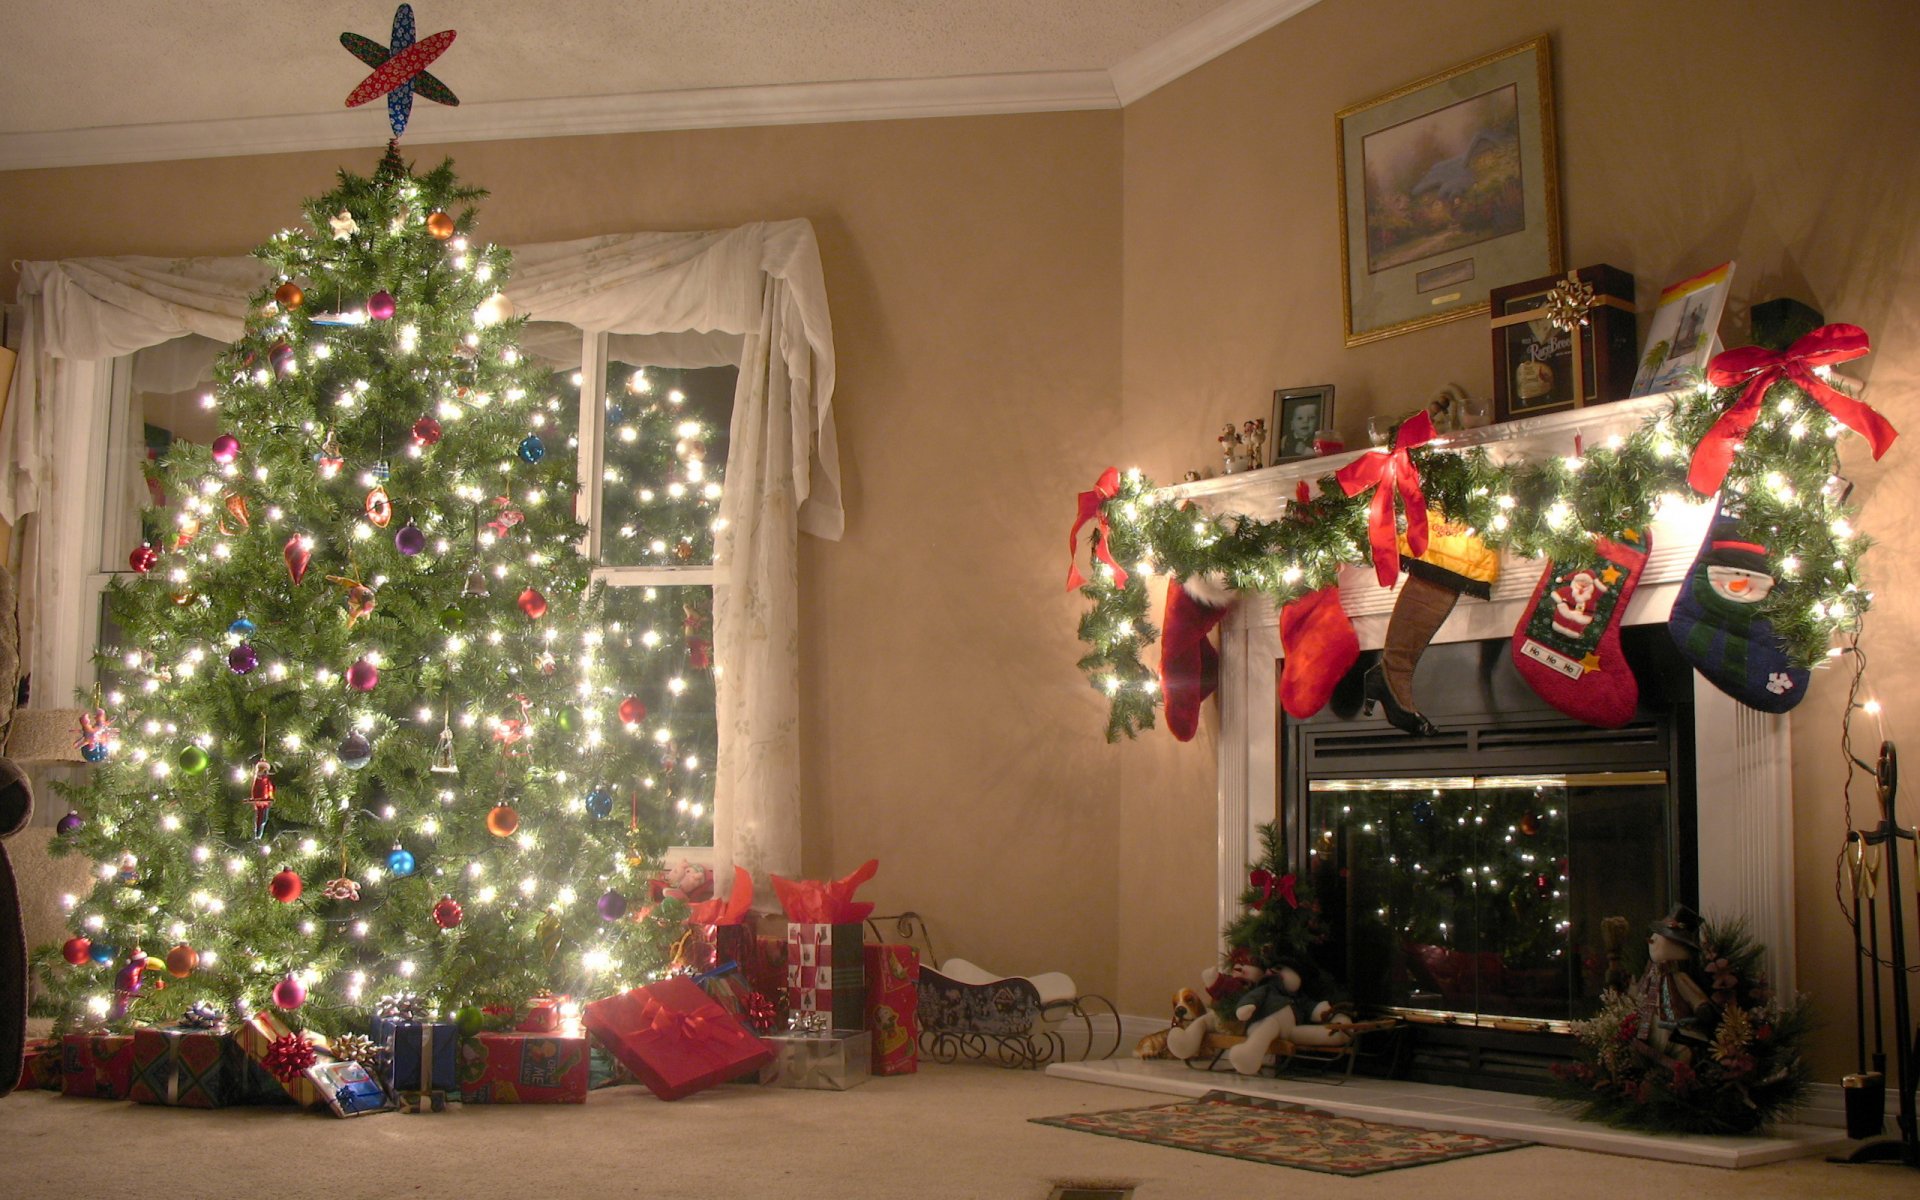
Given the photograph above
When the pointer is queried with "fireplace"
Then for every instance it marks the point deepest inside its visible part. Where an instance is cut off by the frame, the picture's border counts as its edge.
(1468, 878)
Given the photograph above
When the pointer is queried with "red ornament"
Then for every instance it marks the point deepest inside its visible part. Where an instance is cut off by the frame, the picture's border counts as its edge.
(290, 1056)
(426, 431)
(533, 603)
(143, 558)
(446, 913)
(363, 676)
(699, 654)
(181, 960)
(281, 357)
(286, 886)
(76, 950)
(289, 993)
(1529, 824)
(297, 556)
(632, 712)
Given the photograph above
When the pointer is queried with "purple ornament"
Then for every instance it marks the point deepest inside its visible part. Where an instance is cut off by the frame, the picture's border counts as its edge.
(380, 306)
(71, 823)
(242, 659)
(226, 448)
(613, 906)
(410, 541)
(363, 676)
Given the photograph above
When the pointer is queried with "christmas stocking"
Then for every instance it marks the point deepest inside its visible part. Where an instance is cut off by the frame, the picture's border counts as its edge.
(1319, 645)
(1189, 665)
(1567, 647)
(1717, 624)
(1455, 562)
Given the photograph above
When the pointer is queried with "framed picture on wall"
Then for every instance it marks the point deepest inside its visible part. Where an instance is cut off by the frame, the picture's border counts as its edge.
(1301, 416)
(1448, 189)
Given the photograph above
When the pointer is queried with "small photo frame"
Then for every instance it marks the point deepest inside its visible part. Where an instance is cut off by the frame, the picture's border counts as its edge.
(1685, 323)
(1300, 415)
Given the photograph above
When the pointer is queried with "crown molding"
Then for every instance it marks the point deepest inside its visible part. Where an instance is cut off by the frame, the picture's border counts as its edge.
(707, 108)
(1189, 47)
(1198, 42)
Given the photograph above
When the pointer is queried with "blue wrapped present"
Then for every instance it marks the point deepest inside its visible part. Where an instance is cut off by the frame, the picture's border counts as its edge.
(350, 1090)
(422, 1055)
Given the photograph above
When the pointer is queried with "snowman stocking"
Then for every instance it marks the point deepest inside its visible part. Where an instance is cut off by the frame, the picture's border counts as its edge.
(1716, 620)
(1567, 647)
(1319, 645)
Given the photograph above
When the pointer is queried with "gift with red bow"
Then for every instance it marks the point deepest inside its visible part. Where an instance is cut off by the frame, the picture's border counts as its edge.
(675, 1038)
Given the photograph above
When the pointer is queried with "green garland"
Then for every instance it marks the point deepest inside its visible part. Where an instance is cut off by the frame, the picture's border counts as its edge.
(1784, 478)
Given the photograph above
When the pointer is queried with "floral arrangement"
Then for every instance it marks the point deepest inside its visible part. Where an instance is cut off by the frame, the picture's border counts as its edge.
(1730, 1065)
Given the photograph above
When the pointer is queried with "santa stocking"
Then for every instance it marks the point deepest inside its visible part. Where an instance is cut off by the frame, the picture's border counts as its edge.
(1189, 665)
(1319, 646)
(1567, 647)
(1716, 620)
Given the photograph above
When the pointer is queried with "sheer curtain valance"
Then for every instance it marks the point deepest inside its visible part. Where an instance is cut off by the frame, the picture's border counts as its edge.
(760, 283)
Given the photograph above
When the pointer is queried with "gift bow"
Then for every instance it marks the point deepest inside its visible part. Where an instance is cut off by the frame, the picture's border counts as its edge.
(826, 902)
(664, 1020)
(1093, 507)
(1759, 369)
(1271, 886)
(1388, 472)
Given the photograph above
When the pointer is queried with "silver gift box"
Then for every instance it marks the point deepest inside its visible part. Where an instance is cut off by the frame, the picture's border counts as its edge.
(831, 1063)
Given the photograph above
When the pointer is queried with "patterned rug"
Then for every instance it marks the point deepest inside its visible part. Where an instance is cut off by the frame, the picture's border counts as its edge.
(1287, 1135)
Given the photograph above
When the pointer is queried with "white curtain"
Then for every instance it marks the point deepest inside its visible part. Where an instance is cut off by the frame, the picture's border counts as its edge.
(759, 284)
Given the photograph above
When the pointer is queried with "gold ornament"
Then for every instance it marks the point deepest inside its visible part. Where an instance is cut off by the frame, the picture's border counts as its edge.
(289, 295)
(440, 225)
(683, 549)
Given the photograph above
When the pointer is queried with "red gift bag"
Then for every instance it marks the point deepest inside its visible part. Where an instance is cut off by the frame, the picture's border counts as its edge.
(674, 1037)
(893, 1008)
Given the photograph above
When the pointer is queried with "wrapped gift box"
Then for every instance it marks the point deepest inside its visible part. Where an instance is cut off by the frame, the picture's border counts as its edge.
(185, 1068)
(674, 1037)
(603, 1069)
(257, 1036)
(432, 1101)
(41, 1067)
(349, 1089)
(826, 972)
(423, 1054)
(97, 1065)
(524, 1068)
(893, 1008)
(833, 1063)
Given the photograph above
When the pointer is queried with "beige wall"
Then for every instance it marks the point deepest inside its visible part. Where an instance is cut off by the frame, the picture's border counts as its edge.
(1779, 135)
(973, 273)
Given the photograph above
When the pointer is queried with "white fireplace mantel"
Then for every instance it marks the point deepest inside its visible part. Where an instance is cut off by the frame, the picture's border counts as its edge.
(1744, 777)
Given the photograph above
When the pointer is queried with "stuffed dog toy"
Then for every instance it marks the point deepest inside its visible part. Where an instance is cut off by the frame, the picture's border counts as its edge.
(1188, 1006)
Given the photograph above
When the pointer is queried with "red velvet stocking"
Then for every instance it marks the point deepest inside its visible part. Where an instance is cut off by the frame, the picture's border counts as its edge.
(1319, 645)
(1189, 665)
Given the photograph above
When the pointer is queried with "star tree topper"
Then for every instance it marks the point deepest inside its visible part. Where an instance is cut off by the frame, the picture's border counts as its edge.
(401, 70)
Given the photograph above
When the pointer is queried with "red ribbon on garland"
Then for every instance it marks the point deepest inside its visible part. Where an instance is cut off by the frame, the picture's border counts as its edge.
(1759, 369)
(1271, 886)
(1388, 472)
(1093, 507)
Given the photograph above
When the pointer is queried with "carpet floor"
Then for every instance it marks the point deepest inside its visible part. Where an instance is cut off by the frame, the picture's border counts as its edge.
(948, 1133)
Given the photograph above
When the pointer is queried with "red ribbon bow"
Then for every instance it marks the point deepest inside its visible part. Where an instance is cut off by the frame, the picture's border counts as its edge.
(1760, 369)
(1093, 507)
(1388, 472)
(672, 1020)
(1270, 886)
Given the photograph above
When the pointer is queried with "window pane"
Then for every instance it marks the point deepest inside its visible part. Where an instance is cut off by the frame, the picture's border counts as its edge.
(663, 461)
(160, 405)
(659, 641)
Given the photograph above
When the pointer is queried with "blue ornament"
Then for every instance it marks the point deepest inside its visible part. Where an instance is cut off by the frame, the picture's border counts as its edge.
(101, 953)
(400, 862)
(241, 628)
(615, 414)
(94, 752)
(1423, 811)
(599, 802)
(532, 449)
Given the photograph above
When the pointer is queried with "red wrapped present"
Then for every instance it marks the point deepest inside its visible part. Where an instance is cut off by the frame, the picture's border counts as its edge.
(183, 1068)
(41, 1069)
(523, 1068)
(893, 1008)
(543, 1015)
(674, 1037)
(98, 1065)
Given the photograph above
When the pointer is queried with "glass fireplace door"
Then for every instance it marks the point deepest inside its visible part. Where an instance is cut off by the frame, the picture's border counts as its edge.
(1486, 899)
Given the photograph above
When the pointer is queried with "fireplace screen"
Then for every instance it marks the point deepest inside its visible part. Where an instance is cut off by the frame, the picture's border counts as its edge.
(1485, 899)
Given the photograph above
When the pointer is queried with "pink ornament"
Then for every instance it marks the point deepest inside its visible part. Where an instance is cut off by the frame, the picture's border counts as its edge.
(363, 676)
(226, 448)
(281, 356)
(289, 993)
(380, 306)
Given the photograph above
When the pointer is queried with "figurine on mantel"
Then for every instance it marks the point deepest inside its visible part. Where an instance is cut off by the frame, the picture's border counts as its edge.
(1241, 450)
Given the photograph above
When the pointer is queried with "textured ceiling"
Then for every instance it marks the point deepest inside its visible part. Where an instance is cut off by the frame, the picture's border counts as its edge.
(102, 63)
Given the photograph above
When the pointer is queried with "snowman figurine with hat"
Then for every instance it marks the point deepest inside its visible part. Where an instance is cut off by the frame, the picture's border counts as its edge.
(1676, 1017)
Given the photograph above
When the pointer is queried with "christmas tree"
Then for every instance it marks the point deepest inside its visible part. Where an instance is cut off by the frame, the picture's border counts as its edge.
(368, 723)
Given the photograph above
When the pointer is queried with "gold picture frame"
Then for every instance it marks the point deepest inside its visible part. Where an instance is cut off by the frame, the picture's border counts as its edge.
(1448, 188)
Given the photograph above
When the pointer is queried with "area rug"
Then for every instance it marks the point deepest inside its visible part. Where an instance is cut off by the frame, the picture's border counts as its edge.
(1287, 1135)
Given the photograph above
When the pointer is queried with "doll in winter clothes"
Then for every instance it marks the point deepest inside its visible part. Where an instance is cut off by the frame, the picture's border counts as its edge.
(1275, 1008)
